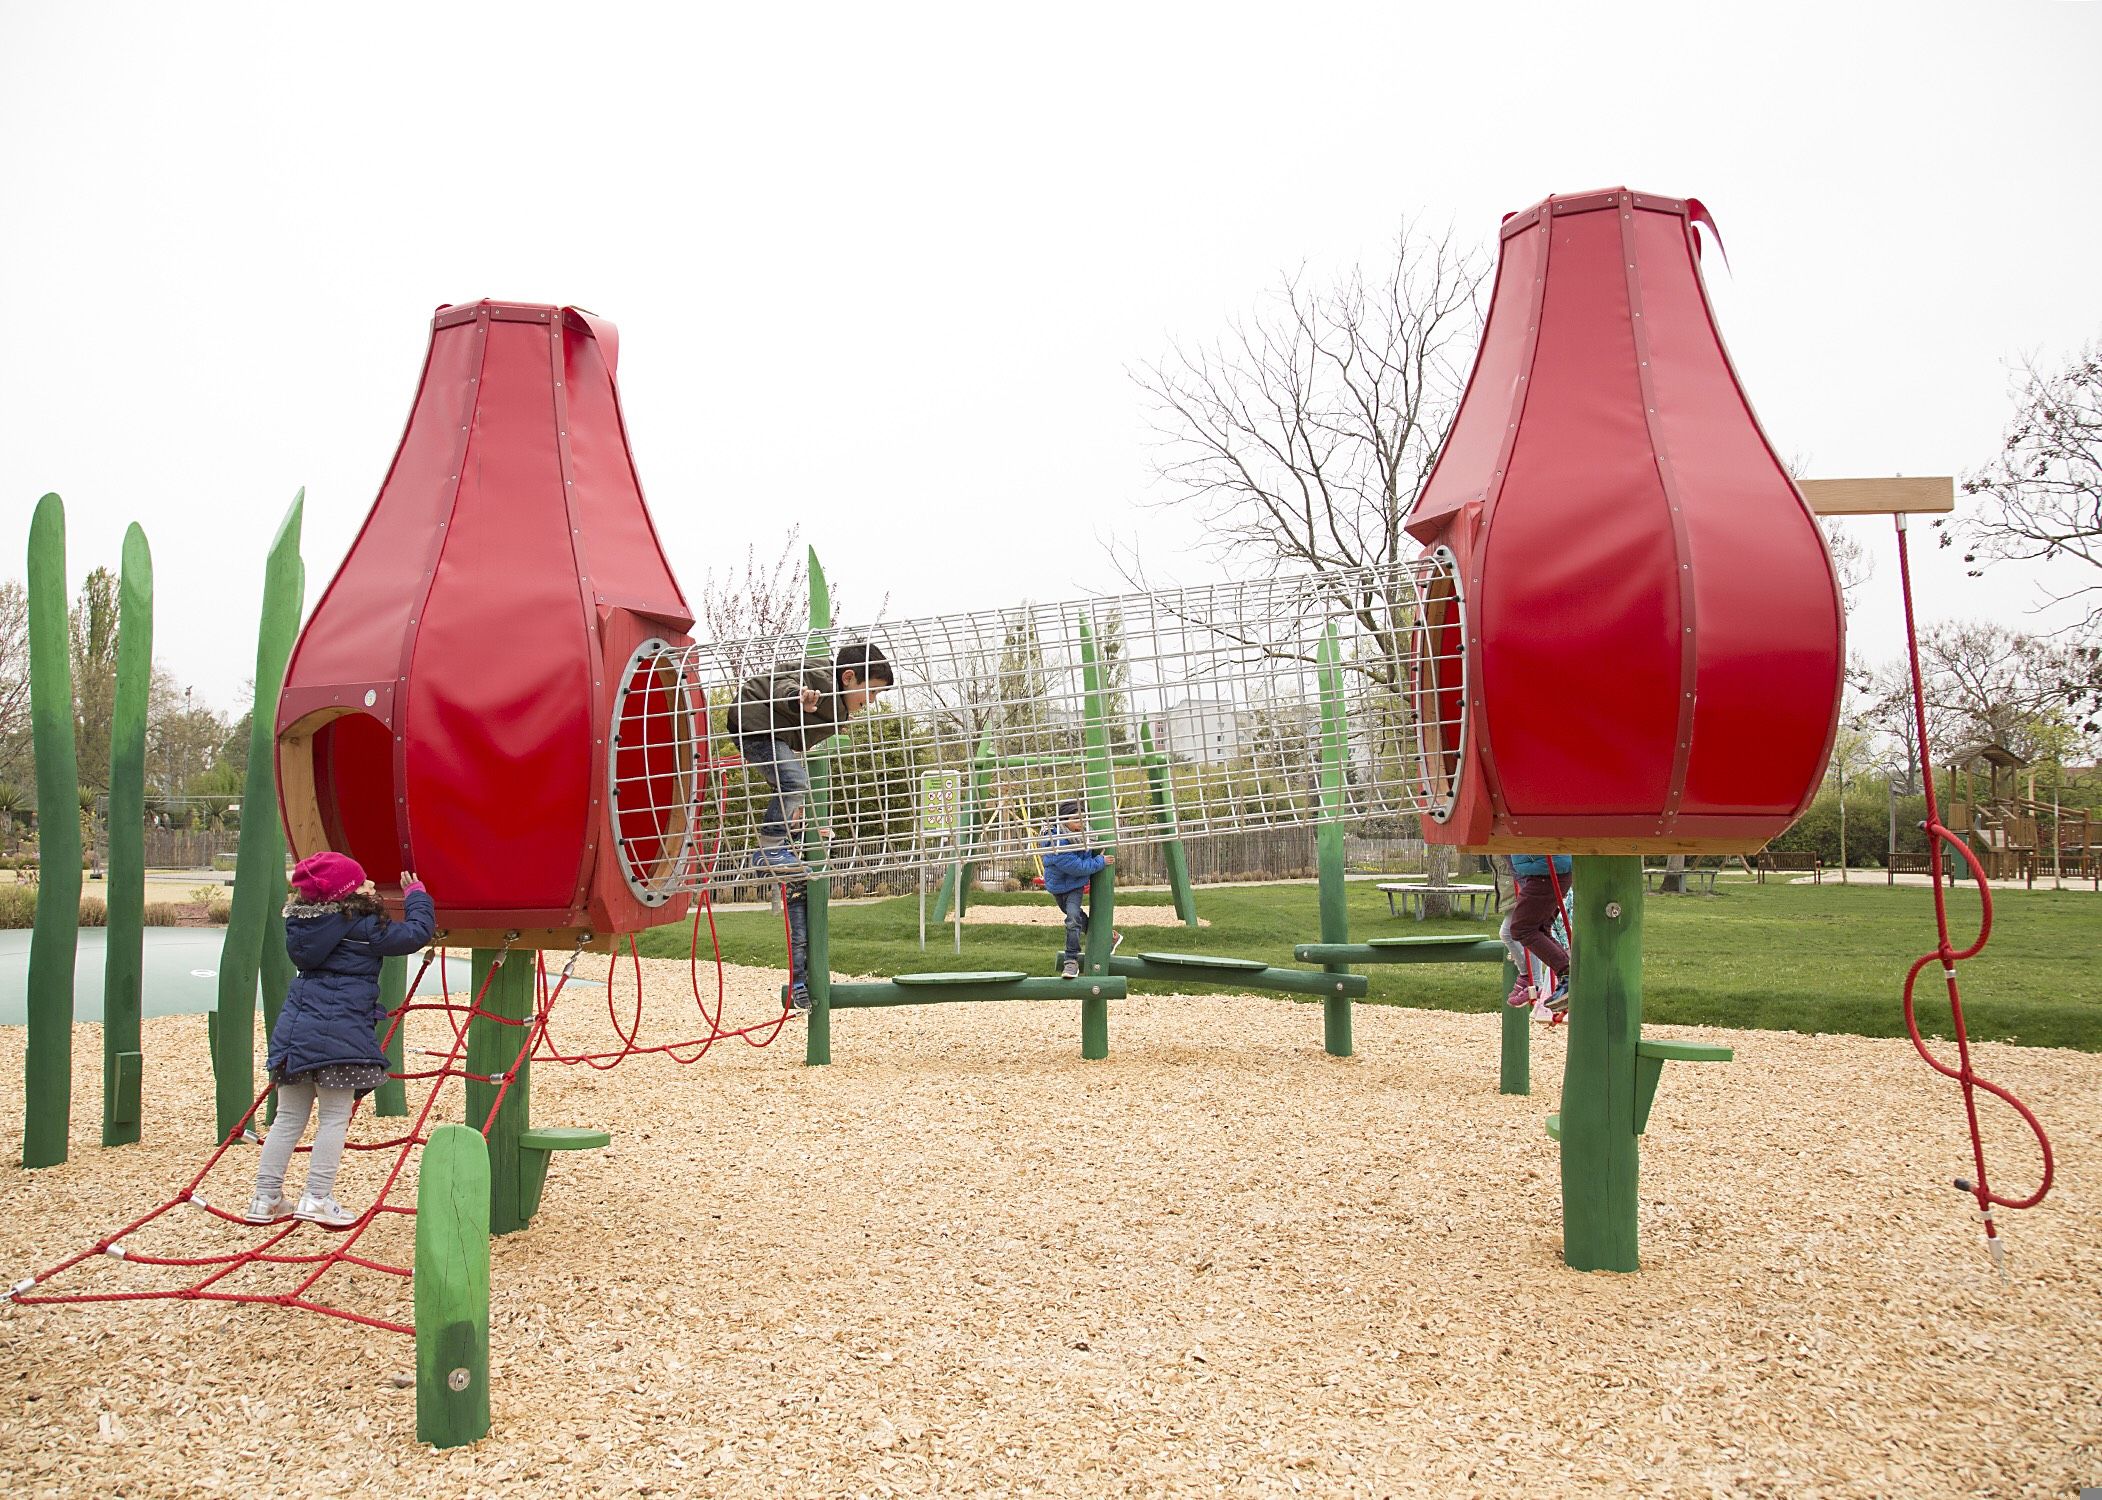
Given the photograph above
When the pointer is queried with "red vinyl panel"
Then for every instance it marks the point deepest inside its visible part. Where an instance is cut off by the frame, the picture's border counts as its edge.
(1578, 610)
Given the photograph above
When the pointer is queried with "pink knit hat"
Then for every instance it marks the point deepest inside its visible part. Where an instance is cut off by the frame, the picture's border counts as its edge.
(327, 876)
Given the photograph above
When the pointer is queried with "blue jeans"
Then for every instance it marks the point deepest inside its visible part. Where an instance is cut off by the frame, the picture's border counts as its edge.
(1069, 902)
(785, 772)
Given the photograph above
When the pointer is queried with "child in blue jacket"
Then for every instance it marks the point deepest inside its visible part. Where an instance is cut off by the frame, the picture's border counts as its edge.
(326, 1045)
(1068, 867)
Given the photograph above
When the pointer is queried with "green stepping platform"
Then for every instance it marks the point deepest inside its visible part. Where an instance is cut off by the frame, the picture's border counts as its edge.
(1684, 1051)
(981, 976)
(1204, 961)
(1456, 940)
(1554, 1127)
(563, 1138)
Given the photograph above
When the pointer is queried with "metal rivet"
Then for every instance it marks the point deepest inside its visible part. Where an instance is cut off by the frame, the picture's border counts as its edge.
(1613, 909)
(459, 1379)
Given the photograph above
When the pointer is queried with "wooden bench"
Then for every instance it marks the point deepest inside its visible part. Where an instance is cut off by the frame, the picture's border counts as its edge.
(1703, 877)
(1907, 864)
(1791, 861)
(1406, 899)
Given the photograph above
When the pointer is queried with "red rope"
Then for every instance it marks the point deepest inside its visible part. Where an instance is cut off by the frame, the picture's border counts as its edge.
(1949, 956)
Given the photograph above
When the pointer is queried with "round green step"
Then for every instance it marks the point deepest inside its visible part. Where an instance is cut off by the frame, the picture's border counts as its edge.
(563, 1138)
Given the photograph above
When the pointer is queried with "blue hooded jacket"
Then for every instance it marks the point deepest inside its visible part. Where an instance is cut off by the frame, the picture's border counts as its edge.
(332, 1011)
(1067, 866)
(1534, 866)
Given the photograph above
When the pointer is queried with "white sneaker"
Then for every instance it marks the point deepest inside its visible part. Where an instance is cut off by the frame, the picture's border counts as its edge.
(268, 1210)
(326, 1212)
(1070, 969)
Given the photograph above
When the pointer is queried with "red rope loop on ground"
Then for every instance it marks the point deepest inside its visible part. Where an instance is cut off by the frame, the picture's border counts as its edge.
(1947, 955)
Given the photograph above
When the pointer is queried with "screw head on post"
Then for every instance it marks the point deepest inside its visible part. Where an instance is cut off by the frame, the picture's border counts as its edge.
(1613, 910)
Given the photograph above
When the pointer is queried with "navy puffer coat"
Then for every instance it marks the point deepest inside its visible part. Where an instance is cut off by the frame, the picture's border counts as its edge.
(332, 1012)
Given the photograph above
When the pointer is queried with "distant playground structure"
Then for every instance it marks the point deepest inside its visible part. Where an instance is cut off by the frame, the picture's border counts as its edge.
(1621, 636)
(2015, 834)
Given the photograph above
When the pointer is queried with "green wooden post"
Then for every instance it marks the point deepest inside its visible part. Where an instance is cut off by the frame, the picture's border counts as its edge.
(1335, 900)
(492, 1047)
(123, 959)
(259, 860)
(1515, 1075)
(1600, 1149)
(817, 895)
(1160, 779)
(452, 1288)
(1102, 813)
(47, 1066)
(392, 1097)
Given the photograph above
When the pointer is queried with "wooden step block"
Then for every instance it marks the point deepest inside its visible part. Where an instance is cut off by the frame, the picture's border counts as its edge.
(981, 976)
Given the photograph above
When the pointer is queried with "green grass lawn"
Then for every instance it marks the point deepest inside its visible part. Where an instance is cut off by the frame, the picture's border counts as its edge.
(1778, 957)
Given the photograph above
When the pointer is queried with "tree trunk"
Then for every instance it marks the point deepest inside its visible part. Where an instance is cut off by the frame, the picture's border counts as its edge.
(1674, 881)
(1438, 861)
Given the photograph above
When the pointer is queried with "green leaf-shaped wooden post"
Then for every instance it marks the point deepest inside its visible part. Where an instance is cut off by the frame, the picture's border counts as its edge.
(123, 959)
(817, 894)
(48, 1065)
(1335, 902)
(1102, 824)
(259, 863)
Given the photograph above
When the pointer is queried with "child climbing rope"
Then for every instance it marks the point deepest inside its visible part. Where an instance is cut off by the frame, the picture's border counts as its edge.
(1068, 867)
(325, 1046)
(1531, 926)
(776, 719)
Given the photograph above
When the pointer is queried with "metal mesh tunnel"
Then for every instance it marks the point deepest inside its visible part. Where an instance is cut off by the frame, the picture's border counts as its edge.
(1203, 702)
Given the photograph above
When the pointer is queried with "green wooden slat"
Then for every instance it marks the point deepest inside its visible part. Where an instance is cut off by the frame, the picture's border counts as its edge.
(130, 1073)
(1203, 961)
(1456, 940)
(563, 1138)
(981, 976)
(1683, 1051)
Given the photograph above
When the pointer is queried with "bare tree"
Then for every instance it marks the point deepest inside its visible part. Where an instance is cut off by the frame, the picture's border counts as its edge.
(15, 763)
(1301, 437)
(760, 599)
(2040, 500)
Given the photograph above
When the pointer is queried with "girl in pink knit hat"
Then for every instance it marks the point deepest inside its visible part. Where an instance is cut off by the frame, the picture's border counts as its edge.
(325, 1047)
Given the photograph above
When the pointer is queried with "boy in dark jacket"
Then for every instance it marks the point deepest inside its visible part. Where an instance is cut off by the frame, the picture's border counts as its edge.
(326, 1044)
(1532, 923)
(1068, 867)
(776, 719)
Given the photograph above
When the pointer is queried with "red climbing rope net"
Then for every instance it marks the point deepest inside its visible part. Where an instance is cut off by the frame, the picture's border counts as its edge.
(214, 1276)
(1947, 955)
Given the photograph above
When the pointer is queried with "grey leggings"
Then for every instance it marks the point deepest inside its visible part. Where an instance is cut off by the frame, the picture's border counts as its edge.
(294, 1102)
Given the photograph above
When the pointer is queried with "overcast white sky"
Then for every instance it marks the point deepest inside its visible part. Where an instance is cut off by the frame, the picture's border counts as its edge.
(882, 270)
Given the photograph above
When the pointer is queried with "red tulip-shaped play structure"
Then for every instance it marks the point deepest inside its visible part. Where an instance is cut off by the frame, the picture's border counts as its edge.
(1651, 624)
(446, 709)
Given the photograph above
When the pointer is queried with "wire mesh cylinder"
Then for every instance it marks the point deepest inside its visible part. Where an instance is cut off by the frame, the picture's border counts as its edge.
(1210, 696)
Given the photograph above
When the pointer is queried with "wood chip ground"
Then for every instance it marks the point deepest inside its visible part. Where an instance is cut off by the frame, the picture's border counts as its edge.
(962, 1261)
